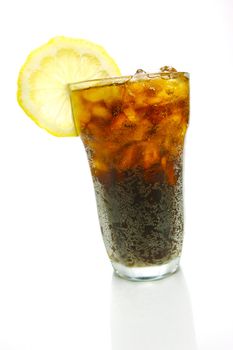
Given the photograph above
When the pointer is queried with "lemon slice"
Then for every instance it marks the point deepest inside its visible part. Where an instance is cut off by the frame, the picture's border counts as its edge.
(42, 84)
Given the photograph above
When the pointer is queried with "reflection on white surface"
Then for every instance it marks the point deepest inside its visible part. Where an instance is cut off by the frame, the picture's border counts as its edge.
(152, 315)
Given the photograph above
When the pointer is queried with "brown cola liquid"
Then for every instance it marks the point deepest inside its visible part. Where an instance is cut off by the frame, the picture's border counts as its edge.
(133, 133)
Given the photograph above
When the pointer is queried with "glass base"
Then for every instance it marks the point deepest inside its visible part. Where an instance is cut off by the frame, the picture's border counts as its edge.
(147, 273)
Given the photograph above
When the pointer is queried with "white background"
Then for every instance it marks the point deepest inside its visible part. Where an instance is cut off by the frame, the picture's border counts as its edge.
(56, 285)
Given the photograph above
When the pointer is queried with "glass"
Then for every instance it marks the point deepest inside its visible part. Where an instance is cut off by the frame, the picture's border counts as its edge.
(133, 130)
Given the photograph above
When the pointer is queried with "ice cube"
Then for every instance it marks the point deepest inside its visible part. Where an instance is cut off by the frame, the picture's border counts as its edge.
(150, 154)
(167, 69)
(140, 74)
(127, 157)
(118, 122)
(100, 111)
(168, 72)
(140, 71)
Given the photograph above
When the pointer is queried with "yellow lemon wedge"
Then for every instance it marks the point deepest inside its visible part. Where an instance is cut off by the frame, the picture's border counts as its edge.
(43, 80)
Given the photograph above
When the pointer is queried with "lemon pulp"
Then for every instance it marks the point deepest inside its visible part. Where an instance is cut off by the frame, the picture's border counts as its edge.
(43, 80)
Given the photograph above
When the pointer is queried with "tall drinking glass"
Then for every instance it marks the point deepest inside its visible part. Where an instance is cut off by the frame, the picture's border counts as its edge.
(133, 130)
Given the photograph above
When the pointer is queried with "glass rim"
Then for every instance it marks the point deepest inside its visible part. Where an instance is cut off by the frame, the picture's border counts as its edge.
(85, 84)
